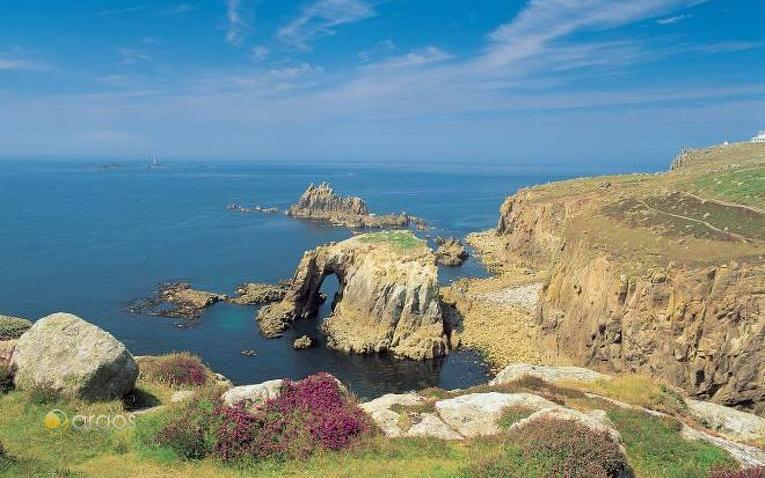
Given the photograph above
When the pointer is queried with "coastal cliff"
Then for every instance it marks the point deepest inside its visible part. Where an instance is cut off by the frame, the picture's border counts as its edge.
(387, 299)
(655, 274)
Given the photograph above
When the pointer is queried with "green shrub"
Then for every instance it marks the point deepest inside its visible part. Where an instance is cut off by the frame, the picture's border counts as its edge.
(175, 370)
(13, 327)
(43, 395)
(558, 448)
(6, 378)
(191, 432)
(655, 447)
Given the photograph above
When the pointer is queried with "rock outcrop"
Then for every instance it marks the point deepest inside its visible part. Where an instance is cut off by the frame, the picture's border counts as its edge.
(255, 293)
(387, 299)
(177, 300)
(450, 251)
(302, 343)
(322, 203)
(66, 354)
(252, 395)
(647, 276)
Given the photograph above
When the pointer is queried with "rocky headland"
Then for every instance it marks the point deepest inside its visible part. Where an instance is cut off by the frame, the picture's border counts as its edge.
(323, 203)
(387, 299)
(654, 274)
(256, 293)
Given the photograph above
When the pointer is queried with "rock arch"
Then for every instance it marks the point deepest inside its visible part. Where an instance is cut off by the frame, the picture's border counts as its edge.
(387, 299)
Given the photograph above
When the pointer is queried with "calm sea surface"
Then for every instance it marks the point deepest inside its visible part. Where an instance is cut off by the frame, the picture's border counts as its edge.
(80, 240)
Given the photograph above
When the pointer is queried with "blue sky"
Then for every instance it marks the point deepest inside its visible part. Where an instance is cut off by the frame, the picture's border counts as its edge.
(617, 83)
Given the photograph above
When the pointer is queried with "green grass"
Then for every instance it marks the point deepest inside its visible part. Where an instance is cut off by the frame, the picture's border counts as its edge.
(745, 186)
(655, 447)
(401, 240)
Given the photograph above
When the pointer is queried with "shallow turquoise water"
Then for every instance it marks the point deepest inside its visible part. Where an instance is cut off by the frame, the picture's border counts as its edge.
(79, 240)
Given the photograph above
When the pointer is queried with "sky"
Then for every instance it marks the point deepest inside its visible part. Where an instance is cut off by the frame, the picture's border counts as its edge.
(619, 83)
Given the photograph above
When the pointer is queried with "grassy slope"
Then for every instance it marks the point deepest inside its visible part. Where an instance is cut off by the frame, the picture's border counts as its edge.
(709, 211)
(654, 447)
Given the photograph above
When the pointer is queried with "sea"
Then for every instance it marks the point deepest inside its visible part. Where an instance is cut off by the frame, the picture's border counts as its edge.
(92, 239)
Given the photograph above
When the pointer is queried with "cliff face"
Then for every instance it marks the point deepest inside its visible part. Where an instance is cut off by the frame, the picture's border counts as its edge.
(387, 299)
(652, 274)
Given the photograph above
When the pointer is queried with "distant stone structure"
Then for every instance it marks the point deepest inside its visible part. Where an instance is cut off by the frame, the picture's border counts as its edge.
(760, 138)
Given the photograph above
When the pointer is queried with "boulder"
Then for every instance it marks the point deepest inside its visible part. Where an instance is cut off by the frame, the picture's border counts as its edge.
(430, 425)
(64, 353)
(380, 409)
(596, 421)
(303, 342)
(742, 425)
(252, 394)
(450, 252)
(517, 371)
(477, 414)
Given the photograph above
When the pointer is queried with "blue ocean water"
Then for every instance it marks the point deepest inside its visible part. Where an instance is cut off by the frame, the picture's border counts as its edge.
(77, 239)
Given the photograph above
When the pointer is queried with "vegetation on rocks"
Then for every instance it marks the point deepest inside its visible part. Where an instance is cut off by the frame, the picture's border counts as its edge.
(13, 327)
(175, 370)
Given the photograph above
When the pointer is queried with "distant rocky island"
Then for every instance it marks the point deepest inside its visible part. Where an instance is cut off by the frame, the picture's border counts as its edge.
(323, 203)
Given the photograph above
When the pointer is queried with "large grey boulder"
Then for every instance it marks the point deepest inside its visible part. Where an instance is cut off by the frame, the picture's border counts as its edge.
(517, 371)
(253, 394)
(742, 425)
(64, 353)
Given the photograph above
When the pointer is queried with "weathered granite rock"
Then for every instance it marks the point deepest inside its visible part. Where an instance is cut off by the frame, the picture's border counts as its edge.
(303, 342)
(477, 414)
(430, 425)
(741, 425)
(13, 327)
(517, 371)
(597, 421)
(387, 299)
(450, 252)
(322, 203)
(67, 354)
(252, 394)
(380, 409)
(253, 293)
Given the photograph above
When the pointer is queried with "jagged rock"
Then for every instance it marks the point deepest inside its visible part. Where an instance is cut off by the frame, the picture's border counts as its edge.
(517, 371)
(387, 299)
(477, 414)
(450, 252)
(432, 426)
(385, 418)
(322, 203)
(13, 327)
(64, 353)
(742, 425)
(252, 394)
(185, 302)
(302, 343)
(253, 293)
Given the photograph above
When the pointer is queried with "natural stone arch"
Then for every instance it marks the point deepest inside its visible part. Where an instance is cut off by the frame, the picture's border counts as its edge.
(387, 298)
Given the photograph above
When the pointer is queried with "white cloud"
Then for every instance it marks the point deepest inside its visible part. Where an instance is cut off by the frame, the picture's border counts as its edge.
(131, 56)
(121, 11)
(424, 56)
(238, 26)
(182, 7)
(381, 47)
(673, 19)
(259, 52)
(322, 18)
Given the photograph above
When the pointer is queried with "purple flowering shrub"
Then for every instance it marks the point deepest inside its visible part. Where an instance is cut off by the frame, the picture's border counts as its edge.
(310, 414)
(175, 370)
(754, 472)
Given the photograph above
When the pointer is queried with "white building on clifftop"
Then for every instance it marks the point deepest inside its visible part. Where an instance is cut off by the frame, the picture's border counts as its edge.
(760, 138)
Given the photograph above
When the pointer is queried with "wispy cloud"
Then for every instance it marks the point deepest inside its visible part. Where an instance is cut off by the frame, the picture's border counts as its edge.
(238, 25)
(673, 19)
(180, 8)
(421, 57)
(381, 47)
(131, 56)
(122, 11)
(322, 18)
(16, 59)
(259, 52)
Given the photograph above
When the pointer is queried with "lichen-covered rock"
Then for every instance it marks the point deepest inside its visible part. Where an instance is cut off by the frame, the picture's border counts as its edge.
(741, 425)
(303, 342)
(477, 414)
(597, 422)
(450, 252)
(252, 394)
(429, 425)
(517, 371)
(253, 293)
(388, 420)
(387, 299)
(64, 353)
